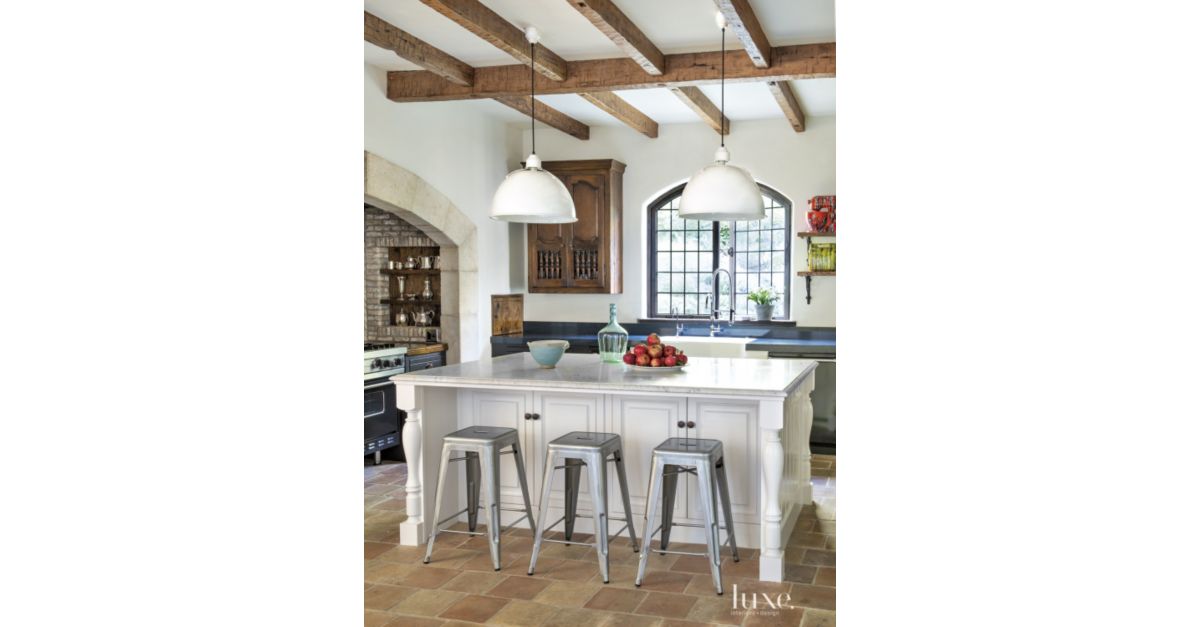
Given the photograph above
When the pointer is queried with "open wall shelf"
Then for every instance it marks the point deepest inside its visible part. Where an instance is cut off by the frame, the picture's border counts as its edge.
(809, 274)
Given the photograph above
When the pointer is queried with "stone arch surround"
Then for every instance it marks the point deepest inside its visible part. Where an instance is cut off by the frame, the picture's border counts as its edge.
(394, 189)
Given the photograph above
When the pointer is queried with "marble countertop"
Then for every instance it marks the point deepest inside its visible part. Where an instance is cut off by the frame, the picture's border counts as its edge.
(702, 375)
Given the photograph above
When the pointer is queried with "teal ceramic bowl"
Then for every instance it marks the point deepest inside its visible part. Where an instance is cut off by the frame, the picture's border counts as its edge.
(547, 352)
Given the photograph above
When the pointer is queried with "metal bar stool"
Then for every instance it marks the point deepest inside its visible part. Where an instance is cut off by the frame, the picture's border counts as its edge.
(706, 460)
(576, 450)
(483, 447)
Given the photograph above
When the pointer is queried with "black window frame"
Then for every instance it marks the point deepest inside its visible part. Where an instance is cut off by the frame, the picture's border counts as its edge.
(652, 254)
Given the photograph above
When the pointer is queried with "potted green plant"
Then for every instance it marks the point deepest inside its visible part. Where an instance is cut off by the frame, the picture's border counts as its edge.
(764, 303)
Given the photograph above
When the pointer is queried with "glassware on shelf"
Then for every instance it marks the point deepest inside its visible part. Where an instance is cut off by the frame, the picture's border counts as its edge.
(427, 292)
(613, 338)
(400, 285)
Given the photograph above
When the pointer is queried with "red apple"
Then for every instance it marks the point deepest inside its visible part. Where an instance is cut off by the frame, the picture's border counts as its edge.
(656, 362)
(668, 350)
(669, 361)
(681, 359)
(639, 350)
(629, 358)
(653, 339)
(655, 350)
(643, 359)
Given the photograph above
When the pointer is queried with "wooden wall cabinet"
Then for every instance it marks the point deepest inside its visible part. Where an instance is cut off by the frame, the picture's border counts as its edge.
(583, 257)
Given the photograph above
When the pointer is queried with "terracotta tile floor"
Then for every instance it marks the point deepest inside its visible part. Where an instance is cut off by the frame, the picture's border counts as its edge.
(460, 588)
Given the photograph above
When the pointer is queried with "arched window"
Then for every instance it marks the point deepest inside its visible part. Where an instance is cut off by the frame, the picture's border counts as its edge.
(685, 253)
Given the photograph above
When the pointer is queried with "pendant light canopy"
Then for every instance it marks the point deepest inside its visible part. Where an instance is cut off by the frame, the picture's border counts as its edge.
(531, 194)
(722, 192)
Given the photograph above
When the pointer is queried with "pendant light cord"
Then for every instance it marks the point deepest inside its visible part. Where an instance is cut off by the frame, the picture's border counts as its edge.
(722, 121)
(533, 102)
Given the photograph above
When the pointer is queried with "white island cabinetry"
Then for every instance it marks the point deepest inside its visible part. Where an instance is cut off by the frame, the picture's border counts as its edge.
(759, 409)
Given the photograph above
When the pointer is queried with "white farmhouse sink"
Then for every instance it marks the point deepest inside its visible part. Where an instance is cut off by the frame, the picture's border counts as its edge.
(703, 346)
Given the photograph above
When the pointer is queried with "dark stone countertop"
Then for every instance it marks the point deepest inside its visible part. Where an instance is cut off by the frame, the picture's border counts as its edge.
(776, 339)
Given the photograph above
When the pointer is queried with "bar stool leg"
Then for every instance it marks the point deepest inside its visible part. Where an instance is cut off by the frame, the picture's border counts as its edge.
(727, 507)
(543, 508)
(625, 499)
(491, 477)
(472, 463)
(574, 467)
(670, 479)
(519, 459)
(437, 501)
(598, 475)
(656, 481)
(704, 473)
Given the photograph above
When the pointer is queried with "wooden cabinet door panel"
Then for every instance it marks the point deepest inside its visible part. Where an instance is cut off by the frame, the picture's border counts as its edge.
(548, 264)
(588, 258)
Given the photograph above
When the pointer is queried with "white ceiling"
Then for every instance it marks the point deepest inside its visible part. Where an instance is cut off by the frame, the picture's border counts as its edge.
(673, 25)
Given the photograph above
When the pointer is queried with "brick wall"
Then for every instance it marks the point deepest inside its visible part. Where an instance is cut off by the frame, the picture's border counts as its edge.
(383, 230)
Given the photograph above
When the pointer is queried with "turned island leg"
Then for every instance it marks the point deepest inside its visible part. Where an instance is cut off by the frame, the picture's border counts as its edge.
(786, 487)
(412, 529)
(771, 561)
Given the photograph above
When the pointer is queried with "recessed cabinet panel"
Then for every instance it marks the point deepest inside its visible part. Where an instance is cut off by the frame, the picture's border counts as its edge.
(643, 423)
(500, 409)
(558, 415)
(736, 425)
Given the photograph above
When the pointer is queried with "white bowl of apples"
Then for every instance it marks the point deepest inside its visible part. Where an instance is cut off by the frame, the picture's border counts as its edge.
(654, 356)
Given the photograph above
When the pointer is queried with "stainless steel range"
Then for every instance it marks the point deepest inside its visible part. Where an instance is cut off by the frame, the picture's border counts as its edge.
(382, 360)
(382, 422)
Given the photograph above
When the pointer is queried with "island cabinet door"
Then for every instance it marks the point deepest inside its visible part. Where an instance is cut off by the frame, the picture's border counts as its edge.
(643, 422)
(556, 414)
(735, 424)
(498, 408)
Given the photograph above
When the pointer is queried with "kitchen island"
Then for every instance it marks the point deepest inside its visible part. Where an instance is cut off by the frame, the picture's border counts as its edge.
(760, 409)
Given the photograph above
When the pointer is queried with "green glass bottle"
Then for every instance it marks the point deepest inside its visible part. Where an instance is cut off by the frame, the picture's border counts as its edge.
(614, 339)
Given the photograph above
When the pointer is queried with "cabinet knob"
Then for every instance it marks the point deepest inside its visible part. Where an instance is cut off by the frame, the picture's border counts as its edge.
(528, 416)
(537, 416)
(680, 424)
(691, 425)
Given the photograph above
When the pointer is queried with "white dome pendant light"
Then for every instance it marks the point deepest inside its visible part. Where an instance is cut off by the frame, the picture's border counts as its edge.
(722, 192)
(531, 194)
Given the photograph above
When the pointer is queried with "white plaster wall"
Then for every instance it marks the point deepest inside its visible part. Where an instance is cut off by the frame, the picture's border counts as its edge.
(462, 153)
(800, 165)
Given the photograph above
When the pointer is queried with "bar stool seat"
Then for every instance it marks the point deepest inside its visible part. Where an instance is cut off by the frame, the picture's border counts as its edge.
(576, 450)
(483, 446)
(705, 459)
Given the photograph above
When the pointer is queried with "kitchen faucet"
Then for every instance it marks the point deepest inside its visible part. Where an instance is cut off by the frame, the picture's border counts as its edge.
(715, 299)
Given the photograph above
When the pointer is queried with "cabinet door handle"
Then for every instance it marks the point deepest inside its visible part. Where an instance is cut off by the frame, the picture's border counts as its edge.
(537, 416)
(528, 416)
(681, 424)
(691, 425)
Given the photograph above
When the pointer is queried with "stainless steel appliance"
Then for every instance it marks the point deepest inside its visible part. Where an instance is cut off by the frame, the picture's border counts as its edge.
(824, 401)
(382, 422)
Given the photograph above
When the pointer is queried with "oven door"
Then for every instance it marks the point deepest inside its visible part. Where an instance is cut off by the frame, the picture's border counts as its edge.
(381, 426)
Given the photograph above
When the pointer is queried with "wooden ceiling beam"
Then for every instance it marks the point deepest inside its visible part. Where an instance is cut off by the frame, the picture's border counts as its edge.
(488, 25)
(787, 101)
(742, 21)
(609, 19)
(689, 69)
(380, 33)
(548, 115)
(617, 107)
(698, 102)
